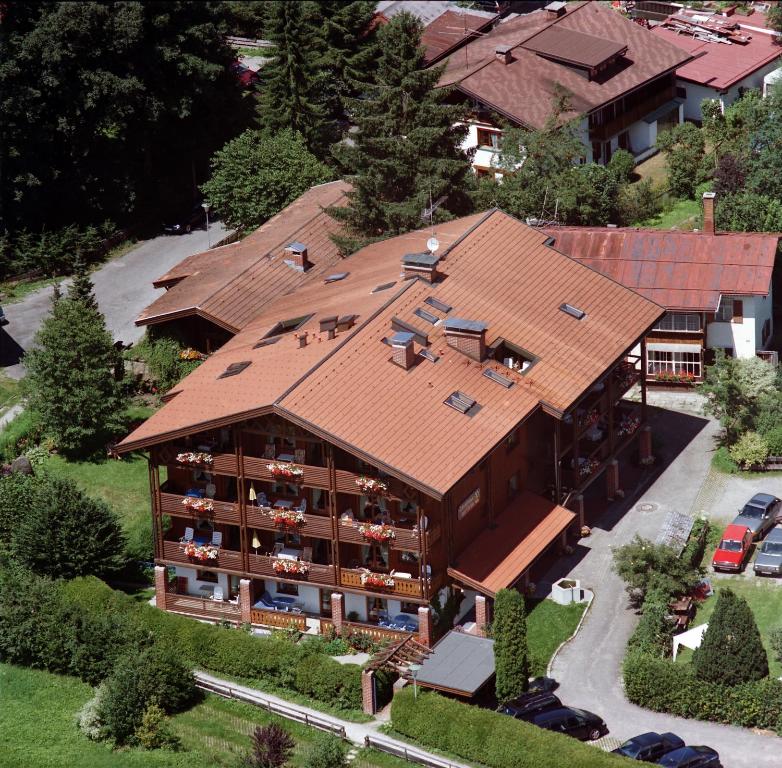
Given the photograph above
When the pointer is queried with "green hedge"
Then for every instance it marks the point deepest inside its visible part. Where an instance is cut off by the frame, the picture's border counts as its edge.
(489, 738)
(664, 686)
(692, 554)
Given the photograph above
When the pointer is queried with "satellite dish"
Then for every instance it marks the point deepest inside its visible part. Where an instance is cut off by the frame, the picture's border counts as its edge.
(432, 244)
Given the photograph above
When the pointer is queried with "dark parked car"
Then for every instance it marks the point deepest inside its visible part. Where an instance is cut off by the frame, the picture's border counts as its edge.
(578, 723)
(691, 757)
(180, 225)
(759, 514)
(649, 747)
(3, 318)
(530, 704)
(769, 559)
(542, 685)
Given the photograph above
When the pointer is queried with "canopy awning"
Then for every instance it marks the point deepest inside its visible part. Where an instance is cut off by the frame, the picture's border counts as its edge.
(522, 532)
(673, 347)
(460, 663)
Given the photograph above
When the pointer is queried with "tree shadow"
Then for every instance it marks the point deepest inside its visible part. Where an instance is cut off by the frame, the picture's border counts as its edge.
(11, 353)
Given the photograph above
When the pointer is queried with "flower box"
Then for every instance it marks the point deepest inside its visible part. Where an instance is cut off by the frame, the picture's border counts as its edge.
(372, 486)
(201, 552)
(285, 469)
(377, 532)
(588, 468)
(591, 418)
(628, 424)
(625, 375)
(377, 581)
(291, 518)
(671, 377)
(195, 459)
(290, 567)
(195, 504)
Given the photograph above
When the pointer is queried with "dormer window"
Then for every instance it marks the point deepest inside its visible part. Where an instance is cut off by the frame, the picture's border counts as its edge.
(511, 356)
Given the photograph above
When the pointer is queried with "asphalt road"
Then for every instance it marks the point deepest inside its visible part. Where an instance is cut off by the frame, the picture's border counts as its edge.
(123, 288)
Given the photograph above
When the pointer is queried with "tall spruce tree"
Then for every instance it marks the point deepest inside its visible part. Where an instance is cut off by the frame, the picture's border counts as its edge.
(406, 150)
(511, 654)
(81, 288)
(731, 651)
(290, 97)
(70, 379)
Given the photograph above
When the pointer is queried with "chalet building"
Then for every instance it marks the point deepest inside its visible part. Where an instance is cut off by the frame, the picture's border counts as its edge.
(619, 79)
(716, 288)
(419, 425)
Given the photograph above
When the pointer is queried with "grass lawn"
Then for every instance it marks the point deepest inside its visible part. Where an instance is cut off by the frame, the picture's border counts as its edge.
(37, 729)
(548, 625)
(9, 392)
(683, 214)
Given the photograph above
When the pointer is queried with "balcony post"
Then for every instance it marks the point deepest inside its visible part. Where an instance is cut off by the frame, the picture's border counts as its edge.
(557, 462)
(246, 600)
(337, 611)
(423, 554)
(332, 471)
(161, 586)
(643, 380)
(154, 497)
(612, 479)
(611, 410)
(482, 615)
(576, 504)
(240, 493)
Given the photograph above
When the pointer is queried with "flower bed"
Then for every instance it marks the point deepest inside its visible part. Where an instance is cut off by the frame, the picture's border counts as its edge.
(372, 486)
(195, 504)
(628, 424)
(671, 377)
(377, 532)
(292, 518)
(191, 354)
(201, 552)
(195, 459)
(377, 580)
(291, 567)
(285, 469)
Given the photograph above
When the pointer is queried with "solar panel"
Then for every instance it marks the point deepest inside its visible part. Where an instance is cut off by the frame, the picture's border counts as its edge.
(489, 373)
(234, 368)
(569, 309)
(460, 401)
(383, 287)
(429, 355)
(437, 304)
(267, 342)
(336, 277)
(424, 315)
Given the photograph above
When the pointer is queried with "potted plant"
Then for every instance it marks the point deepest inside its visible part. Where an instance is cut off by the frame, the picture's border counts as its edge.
(201, 552)
(377, 580)
(628, 424)
(195, 459)
(372, 486)
(285, 469)
(287, 567)
(588, 467)
(377, 532)
(290, 518)
(196, 504)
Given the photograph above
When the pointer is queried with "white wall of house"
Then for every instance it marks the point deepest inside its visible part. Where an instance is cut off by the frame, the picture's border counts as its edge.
(764, 311)
(308, 596)
(744, 337)
(357, 603)
(194, 583)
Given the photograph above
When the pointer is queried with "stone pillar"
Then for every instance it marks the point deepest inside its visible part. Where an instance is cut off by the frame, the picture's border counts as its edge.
(337, 611)
(482, 614)
(425, 628)
(368, 699)
(161, 582)
(246, 600)
(645, 446)
(576, 505)
(612, 479)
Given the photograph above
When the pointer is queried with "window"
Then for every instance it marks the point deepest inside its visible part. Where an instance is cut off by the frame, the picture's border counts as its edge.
(287, 589)
(286, 326)
(234, 368)
(679, 321)
(511, 356)
(680, 363)
(730, 311)
(409, 608)
(489, 139)
(209, 576)
(513, 485)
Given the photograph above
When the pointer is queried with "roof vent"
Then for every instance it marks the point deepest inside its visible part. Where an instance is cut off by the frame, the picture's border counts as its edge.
(346, 322)
(569, 309)
(267, 342)
(383, 287)
(400, 325)
(467, 336)
(404, 353)
(329, 325)
(302, 338)
(555, 9)
(461, 402)
(489, 373)
(234, 368)
(503, 53)
(424, 315)
(422, 265)
(296, 256)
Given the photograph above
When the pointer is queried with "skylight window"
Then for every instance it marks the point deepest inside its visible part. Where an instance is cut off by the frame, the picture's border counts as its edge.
(424, 315)
(438, 305)
(336, 277)
(569, 309)
(234, 369)
(266, 342)
(429, 355)
(383, 287)
(287, 326)
(461, 402)
(490, 373)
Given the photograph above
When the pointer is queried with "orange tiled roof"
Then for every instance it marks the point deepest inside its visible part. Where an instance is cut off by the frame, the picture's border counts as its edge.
(498, 271)
(500, 555)
(230, 285)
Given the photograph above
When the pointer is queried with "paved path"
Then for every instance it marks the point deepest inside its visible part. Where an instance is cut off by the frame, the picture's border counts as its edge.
(123, 287)
(355, 732)
(589, 667)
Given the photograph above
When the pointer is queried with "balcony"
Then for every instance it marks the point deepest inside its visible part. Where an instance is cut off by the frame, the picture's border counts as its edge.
(223, 462)
(404, 587)
(227, 559)
(204, 608)
(263, 565)
(632, 115)
(279, 620)
(223, 512)
(409, 539)
(315, 525)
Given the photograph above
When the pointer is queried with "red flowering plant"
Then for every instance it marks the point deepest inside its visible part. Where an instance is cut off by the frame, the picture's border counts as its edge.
(377, 580)
(196, 504)
(289, 518)
(286, 567)
(372, 486)
(377, 532)
(195, 458)
(201, 552)
(285, 469)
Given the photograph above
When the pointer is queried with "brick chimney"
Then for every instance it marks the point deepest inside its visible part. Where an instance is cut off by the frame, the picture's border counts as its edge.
(423, 265)
(708, 212)
(302, 337)
(467, 336)
(503, 53)
(404, 353)
(296, 256)
(556, 9)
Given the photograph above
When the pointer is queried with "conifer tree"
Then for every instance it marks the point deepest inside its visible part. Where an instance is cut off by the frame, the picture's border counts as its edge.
(731, 651)
(81, 287)
(511, 654)
(406, 150)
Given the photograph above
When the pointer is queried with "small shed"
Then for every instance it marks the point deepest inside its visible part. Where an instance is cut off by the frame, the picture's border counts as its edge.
(460, 664)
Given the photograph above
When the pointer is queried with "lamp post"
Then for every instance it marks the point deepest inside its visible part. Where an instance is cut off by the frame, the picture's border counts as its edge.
(205, 206)
(414, 669)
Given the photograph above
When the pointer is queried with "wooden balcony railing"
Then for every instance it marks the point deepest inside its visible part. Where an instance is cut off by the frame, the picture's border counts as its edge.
(407, 539)
(378, 635)
(224, 511)
(314, 524)
(203, 607)
(227, 559)
(263, 565)
(279, 619)
(223, 462)
(632, 115)
(402, 586)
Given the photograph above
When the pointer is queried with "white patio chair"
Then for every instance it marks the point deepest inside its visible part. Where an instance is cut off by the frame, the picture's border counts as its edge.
(217, 594)
(302, 506)
(188, 537)
(217, 539)
(306, 554)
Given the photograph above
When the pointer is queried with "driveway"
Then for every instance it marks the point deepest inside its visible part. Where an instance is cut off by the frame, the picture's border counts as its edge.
(123, 287)
(589, 667)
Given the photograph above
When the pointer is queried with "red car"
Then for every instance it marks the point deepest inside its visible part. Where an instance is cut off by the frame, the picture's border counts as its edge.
(734, 549)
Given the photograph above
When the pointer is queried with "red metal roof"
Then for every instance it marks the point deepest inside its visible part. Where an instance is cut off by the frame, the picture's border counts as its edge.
(679, 270)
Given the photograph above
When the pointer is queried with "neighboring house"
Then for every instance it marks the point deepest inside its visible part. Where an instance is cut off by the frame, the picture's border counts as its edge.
(716, 286)
(452, 30)
(731, 54)
(481, 386)
(210, 296)
(619, 79)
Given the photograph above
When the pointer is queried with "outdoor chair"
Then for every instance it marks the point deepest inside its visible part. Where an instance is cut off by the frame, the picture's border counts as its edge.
(265, 601)
(261, 500)
(405, 623)
(217, 539)
(188, 537)
(302, 506)
(306, 554)
(217, 594)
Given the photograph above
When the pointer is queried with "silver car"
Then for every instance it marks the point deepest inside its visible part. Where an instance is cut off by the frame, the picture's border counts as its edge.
(759, 514)
(769, 559)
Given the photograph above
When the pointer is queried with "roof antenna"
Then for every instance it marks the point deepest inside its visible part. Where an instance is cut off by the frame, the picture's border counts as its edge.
(428, 213)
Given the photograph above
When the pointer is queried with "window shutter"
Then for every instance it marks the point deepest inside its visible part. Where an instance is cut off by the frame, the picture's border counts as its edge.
(738, 311)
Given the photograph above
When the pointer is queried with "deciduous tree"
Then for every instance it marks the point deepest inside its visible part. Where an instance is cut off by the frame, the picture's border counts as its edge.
(511, 653)
(684, 148)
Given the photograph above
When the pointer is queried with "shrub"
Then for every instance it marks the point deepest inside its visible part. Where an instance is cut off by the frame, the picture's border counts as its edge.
(692, 554)
(654, 630)
(487, 737)
(272, 747)
(327, 751)
(622, 165)
(89, 718)
(154, 733)
(750, 450)
(511, 654)
(722, 462)
(731, 651)
(162, 355)
(637, 203)
(773, 440)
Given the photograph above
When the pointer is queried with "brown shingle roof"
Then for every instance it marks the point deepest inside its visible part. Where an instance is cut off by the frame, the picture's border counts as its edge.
(569, 45)
(451, 30)
(230, 285)
(524, 89)
(679, 270)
